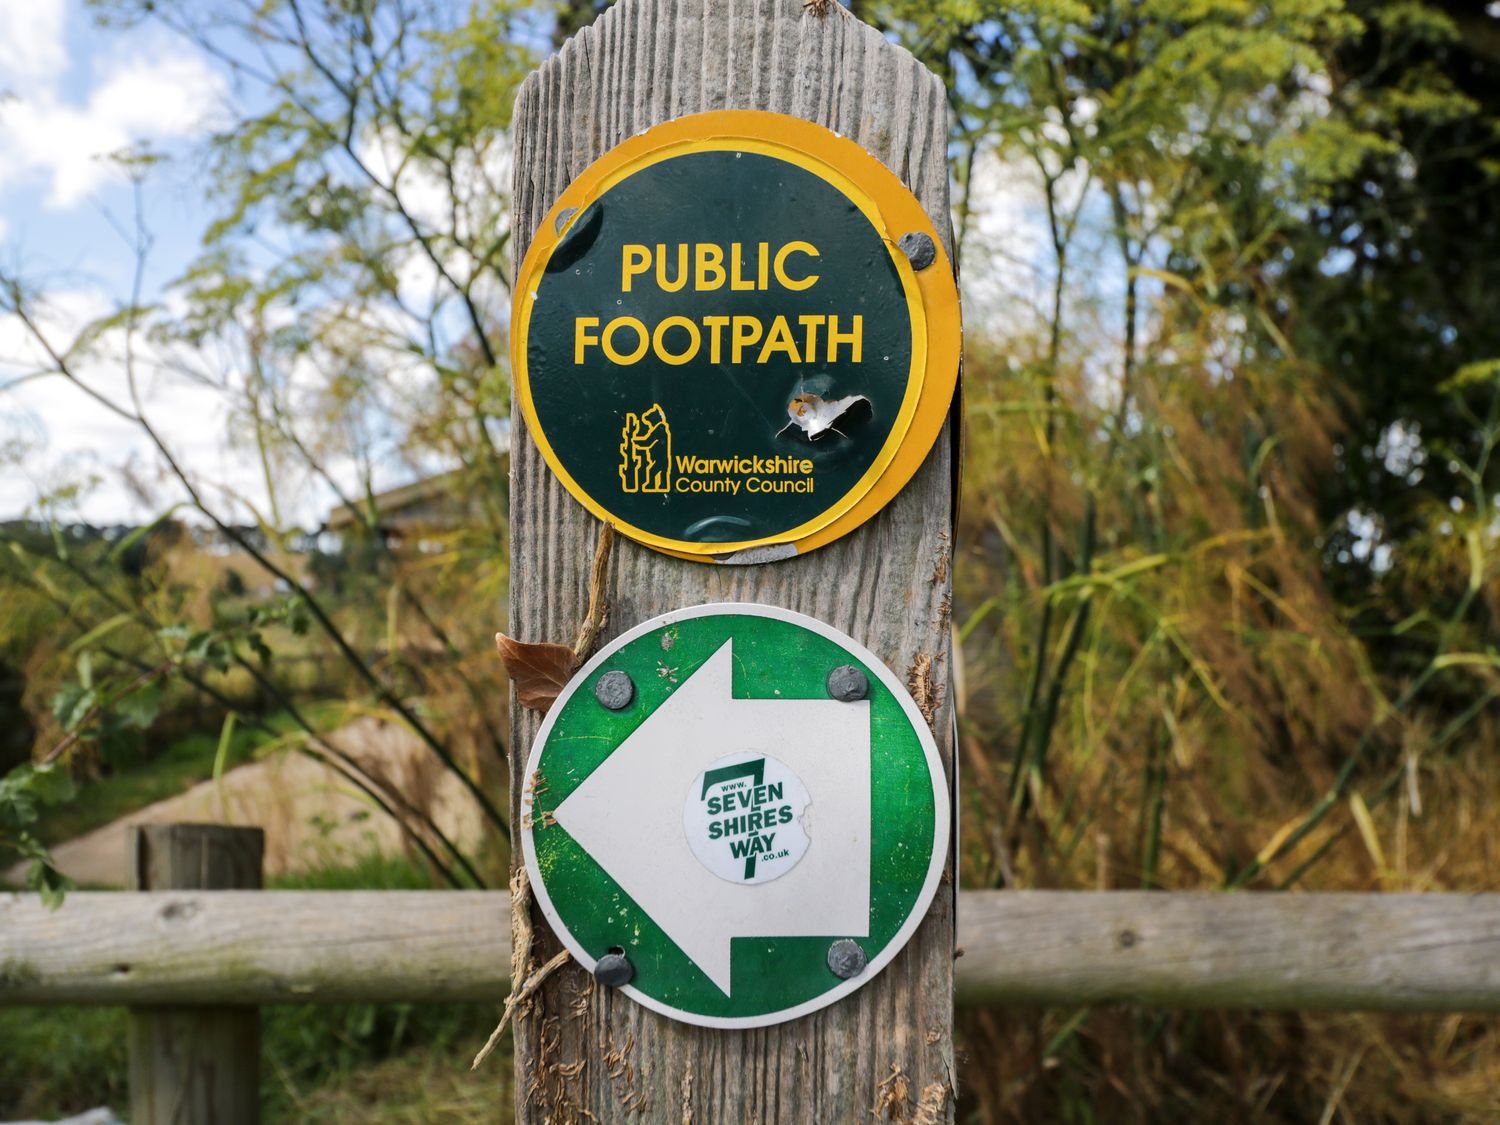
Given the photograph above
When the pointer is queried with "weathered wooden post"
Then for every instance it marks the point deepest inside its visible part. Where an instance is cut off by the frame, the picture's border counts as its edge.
(881, 570)
(194, 1065)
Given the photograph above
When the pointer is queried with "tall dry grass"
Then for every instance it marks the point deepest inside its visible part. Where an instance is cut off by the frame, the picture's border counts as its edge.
(1161, 688)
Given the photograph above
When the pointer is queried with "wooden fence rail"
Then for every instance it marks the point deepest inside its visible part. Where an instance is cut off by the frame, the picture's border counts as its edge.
(1356, 952)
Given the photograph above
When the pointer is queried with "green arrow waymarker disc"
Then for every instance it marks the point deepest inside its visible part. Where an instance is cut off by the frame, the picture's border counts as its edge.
(757, 819)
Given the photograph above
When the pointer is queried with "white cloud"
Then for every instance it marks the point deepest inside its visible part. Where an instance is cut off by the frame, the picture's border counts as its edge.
(169, 96)
(68, 437)
(157, 97)
(60, 318)
(74, 102)
(65, 431)
(31, 40)
(1006, 253)
(471, 204)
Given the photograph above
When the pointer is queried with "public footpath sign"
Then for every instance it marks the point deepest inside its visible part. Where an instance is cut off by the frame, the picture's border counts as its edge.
(735, 813)
(736, 336)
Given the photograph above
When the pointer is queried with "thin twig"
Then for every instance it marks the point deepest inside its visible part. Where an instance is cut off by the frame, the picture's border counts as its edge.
(598, 612)
(533, 983)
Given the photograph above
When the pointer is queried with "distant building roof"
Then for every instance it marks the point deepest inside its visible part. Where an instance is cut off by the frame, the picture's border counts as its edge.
(431, 503)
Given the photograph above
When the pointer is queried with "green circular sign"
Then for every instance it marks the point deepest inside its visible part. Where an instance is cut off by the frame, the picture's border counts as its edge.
(735, 337)
(691, 345)
(734, 820)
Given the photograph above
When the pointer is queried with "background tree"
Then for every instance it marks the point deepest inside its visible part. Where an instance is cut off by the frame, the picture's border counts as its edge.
(1394, 272)
(349, 307)
(1196, 654)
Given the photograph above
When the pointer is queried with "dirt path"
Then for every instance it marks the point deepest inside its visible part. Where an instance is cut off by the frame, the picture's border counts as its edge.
(312, 816)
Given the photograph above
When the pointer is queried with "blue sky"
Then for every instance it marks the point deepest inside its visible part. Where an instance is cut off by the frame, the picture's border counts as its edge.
(79, 94)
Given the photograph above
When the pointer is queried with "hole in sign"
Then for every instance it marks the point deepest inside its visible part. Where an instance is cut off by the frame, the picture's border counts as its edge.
(815, 415)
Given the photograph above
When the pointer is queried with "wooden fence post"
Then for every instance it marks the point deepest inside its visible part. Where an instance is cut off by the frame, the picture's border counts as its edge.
(194, 1065)
(585, 1052)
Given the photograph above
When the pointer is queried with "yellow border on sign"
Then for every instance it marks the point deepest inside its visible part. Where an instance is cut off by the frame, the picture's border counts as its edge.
(887, 452)
(932, 301)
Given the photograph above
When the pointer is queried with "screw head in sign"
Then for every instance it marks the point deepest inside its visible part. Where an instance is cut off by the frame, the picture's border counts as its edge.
(919, 249)
(614, 969)
(615, 690)
(848, 684)
(846, 959)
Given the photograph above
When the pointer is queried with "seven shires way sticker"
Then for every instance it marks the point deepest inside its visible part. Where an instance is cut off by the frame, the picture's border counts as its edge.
(736, 336)
(743, 802)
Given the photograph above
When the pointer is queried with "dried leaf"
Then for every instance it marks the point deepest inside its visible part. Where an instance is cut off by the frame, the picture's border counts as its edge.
(893, 1096)
(814, 414)
(539, 671)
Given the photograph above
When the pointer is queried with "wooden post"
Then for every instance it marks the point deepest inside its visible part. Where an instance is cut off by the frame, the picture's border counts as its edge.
(583, 1052)
(194, 1065)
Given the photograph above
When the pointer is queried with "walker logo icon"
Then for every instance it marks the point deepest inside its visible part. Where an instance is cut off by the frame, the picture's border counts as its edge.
(646, 452)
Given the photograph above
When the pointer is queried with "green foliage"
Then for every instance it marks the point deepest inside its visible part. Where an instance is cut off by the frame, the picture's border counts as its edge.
(23, 793)
(368, 148)
(63, 1061)
(1393, 273)
(85, 711)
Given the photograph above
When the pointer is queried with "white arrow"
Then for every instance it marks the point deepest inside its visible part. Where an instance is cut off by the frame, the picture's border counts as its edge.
(628, 815)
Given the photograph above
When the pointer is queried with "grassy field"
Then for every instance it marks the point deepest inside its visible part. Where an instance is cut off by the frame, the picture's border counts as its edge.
(176, 768)
(420, 1087)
